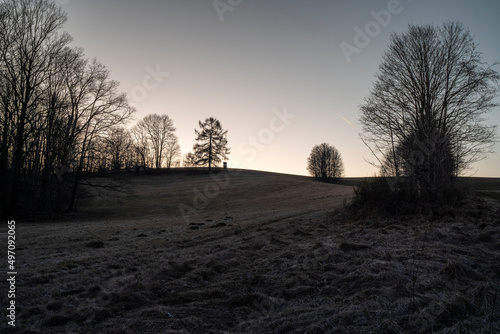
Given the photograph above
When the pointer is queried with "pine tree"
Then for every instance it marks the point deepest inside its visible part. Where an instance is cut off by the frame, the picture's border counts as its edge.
(211, 143)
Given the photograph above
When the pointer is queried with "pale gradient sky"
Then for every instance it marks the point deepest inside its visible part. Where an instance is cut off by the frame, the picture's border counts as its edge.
(263, 56)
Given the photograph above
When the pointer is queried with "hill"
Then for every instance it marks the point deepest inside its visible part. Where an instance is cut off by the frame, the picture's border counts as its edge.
(239, 193)
(267, 253)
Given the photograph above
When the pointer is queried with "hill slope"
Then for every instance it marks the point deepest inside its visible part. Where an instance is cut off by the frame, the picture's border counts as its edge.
(268, 254)
(239, 193)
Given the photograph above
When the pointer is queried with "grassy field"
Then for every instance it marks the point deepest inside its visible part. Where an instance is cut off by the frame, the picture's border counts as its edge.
(254, 252)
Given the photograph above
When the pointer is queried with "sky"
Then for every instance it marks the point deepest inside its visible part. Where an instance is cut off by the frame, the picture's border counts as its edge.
(275, 73)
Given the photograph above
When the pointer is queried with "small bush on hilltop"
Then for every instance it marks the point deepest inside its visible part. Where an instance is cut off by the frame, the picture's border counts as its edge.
(325, 163)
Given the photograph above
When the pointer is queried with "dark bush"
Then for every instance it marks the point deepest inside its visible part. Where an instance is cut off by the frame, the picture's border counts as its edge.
(373, 192)
(389, 196)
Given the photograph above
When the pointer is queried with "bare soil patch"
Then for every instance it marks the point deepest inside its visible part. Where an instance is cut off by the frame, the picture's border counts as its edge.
(269, 254)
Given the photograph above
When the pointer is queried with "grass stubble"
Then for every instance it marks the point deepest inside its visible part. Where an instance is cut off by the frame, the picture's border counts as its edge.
(322, 271)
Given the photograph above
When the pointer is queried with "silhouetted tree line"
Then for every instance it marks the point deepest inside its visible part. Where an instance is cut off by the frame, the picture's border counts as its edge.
(59, 111)
(62, 118)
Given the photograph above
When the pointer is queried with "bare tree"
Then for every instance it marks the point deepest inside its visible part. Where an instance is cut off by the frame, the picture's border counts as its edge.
(98, 111)
(142, 147)
(325, 162)
(173, 151)
(160, 133)
(30, 40)
(423, 117)
(117, 145)
(211, 147)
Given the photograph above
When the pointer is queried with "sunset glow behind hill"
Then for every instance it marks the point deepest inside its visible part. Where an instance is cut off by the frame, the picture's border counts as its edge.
(276, 74)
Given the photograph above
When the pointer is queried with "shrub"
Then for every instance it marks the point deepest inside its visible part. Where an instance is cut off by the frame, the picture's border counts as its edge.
(388, 196)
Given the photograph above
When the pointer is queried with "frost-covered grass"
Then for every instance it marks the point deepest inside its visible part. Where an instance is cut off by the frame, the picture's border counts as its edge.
(270, 254)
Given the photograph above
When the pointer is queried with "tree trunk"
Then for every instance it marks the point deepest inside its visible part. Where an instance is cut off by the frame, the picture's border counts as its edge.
(17, 161)
(210, 154)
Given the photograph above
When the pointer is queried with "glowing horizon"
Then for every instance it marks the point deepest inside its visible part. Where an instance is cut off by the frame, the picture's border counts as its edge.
(193, 60)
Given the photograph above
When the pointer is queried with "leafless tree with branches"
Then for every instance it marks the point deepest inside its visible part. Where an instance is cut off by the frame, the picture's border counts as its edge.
(325, 162)
(156, 134)
(424, 115)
